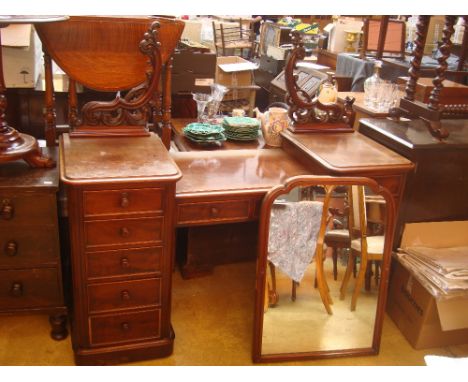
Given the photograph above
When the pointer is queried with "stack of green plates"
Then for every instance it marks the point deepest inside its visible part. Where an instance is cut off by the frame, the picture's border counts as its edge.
(241, 128)
(204, 133)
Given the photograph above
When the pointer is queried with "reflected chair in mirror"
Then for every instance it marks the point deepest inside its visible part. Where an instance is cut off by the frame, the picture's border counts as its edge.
(368, 248)
(113, 54)
(337, 238)
(297, 243)
(229, 37)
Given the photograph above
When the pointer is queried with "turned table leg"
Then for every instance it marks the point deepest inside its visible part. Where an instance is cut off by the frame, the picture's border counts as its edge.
(58, 324)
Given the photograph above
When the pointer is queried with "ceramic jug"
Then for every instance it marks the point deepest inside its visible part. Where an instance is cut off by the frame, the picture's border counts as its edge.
(273, 122)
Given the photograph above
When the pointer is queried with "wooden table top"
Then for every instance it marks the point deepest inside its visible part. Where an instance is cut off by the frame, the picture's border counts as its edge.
(17, 174)
(101, 160)
(358, 104)
(184, 144)
(348, 153)
(234, 171)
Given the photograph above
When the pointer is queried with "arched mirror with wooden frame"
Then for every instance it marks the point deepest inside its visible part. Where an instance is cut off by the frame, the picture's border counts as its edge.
(301, 310)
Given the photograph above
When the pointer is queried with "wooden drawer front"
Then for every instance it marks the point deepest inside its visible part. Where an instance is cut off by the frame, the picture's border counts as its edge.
(123, 262)
(28, 246)
(145, 200)
(123, 232)
(125, 294)
(226, 210)
(125, 327)
(28, 208)
(29, 288)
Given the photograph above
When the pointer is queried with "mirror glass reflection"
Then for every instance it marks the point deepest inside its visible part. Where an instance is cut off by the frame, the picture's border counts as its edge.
(325, 247)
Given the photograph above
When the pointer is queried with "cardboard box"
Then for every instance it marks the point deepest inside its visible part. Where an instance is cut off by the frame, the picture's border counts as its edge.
(271, 65)
(22, 56)
(423, 320)
(234, 71)
(190, 69)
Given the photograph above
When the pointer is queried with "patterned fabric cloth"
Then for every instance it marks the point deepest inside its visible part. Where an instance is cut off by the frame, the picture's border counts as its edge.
(294, 227)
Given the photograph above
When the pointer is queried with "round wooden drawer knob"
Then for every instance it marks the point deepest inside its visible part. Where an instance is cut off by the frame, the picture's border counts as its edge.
(125, 326)
(124, 201)
(11, 248)
(125, 295)
(16, 289)
(124, 232)
(124, 263)
(7, 210)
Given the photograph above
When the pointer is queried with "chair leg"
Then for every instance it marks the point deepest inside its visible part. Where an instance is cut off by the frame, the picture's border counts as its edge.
(322, 285)
(293, 291)
(335, 263)
(368, 277)
(360, 279)
(349, 268)
(272, 294)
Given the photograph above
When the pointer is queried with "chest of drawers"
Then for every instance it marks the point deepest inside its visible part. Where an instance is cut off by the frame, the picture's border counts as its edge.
(30, 264)
(121, 201)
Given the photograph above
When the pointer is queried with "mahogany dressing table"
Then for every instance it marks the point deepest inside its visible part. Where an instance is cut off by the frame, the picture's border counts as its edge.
(227, 186)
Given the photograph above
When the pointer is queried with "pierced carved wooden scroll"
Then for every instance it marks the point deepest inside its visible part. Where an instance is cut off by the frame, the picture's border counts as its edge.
(308, 114)
(125, 115)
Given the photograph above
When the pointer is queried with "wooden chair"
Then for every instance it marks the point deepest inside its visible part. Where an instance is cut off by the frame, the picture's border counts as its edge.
(113, 54)
(231, 37)
(383, 36)
(369, 248)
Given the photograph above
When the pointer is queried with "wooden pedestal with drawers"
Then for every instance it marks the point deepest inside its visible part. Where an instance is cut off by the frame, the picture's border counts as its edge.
(121, 196)
(30, 266)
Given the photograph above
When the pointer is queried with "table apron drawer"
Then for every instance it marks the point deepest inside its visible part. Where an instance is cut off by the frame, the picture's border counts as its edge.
(27, 208)
(125, 327)
(216, 211)
(125, 201)
(29, 288)
(124, 294)
(123, 232)
(123, 262)
(22, 245)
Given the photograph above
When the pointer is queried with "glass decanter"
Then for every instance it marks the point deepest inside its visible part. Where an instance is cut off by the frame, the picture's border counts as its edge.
(372, 86)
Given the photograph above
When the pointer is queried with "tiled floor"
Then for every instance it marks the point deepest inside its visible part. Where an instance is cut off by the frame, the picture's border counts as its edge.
(213, 320)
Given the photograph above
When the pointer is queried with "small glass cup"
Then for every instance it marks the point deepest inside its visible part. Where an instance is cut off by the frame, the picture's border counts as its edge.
(202, 100)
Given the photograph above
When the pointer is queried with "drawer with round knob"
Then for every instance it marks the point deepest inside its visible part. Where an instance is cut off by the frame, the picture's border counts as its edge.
(123, 232)
(120, 202)
(20, 246)
(29, 288)
(27, 209)
(213, 212)
(124, 294)
(125, 327)
(123, 262)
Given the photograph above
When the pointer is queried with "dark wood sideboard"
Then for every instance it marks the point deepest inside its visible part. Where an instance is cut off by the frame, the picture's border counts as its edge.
(121, 202)
(437, 189)
(30, 263)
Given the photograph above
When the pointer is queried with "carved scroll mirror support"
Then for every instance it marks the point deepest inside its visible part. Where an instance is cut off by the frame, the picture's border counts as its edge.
(307, 113)
(307, 304)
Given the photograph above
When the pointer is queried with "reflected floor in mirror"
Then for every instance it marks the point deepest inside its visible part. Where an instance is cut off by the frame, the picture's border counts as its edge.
(304, 325)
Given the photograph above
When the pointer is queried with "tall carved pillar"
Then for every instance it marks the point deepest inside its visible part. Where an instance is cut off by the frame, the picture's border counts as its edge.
(440, 71)
(421, 33)
(50, 117)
